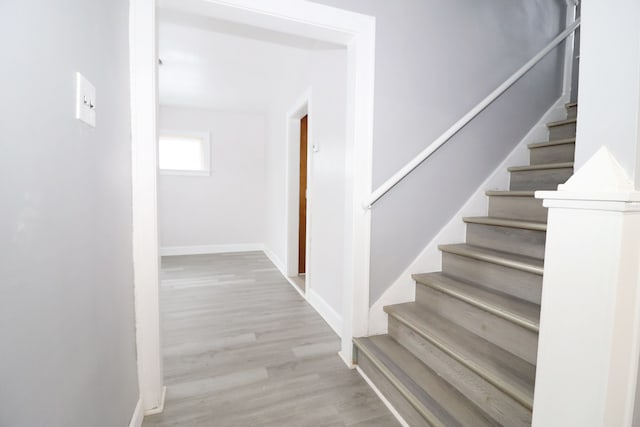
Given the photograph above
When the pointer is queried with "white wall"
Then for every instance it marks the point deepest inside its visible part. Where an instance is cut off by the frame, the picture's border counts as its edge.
(66, 273)
(434, 61)
(328, 81)
(324, 78)
(618, 127)
(227, 207)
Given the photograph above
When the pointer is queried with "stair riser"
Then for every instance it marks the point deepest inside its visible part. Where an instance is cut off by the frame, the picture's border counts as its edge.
(522, 208)
(388, 390)
(545, 179)
(518, 241)
(572, 112)
(517, 283)
(503, 333)
(552, 154)
(562, 131)
(486, 396)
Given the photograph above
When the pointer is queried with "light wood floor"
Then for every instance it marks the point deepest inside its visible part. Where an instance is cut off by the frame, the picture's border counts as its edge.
(242, 348)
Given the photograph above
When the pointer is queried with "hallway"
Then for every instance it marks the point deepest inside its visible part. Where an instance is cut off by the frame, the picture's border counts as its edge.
(242, 348)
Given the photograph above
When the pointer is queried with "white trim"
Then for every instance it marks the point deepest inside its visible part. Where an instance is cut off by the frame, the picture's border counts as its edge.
(143, 62)
(138, 415)
(210, 249)
(160, 408)
(388, 404)
(430, 259)
(180, 172)
(569, 48)
(302, 107)
(327, 312)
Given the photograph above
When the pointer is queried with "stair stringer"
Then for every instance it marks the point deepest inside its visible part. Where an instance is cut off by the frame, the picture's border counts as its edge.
(430, 259)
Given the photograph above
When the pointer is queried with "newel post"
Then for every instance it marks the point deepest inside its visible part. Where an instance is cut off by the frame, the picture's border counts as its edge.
(590, 320)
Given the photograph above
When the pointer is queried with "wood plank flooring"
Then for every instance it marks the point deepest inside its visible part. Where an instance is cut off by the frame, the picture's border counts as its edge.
(242, 348)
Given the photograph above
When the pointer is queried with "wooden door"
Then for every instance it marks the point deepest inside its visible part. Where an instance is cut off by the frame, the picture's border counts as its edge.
(302, 220)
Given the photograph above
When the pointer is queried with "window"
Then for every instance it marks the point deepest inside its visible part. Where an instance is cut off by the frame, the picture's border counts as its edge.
(184, 153)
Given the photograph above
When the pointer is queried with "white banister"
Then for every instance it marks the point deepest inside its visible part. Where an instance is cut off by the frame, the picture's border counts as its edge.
(442, 139)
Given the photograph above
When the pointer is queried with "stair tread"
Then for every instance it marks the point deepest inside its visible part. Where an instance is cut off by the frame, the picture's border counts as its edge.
(562, 122)
(509, 373)
(507, 222)
(552, 143)
(515, 310)
(510, 193)
(442, 406)
(563, 165)
(507, 259)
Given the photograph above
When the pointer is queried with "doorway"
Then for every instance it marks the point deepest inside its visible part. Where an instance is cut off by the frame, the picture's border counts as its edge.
(302, 211)
(311, 21)
(299, 169)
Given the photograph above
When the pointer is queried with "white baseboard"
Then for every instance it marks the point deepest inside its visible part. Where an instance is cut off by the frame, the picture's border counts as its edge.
(160, 408)
(138, 415)
(274, 259)
(210, 249)
(388, 404)
(403, 288)
(327, 312)
(333, 319)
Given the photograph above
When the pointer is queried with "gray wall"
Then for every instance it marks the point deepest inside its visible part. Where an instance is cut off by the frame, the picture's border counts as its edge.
(435, 60)
(67, 356)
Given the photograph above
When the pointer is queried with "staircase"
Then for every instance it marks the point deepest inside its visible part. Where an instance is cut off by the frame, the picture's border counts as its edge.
(464, 353)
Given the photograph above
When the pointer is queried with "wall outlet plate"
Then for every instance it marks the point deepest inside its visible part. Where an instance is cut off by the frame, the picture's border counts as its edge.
(85, 100)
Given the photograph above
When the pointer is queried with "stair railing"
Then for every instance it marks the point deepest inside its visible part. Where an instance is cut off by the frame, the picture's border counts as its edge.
(457, 126)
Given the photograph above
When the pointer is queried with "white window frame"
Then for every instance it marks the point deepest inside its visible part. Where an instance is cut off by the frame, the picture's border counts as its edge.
(206, 138)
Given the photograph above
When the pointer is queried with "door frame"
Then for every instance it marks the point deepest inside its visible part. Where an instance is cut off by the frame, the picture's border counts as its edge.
(302, 107)
(312, 20)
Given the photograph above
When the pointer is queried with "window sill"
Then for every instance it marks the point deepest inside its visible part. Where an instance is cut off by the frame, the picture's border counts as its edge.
(184, 172)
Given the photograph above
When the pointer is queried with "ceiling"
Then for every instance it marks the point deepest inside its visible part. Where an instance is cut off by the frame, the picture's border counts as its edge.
(210, 63)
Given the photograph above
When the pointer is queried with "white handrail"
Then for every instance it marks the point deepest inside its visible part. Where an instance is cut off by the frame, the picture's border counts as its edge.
(442, 139)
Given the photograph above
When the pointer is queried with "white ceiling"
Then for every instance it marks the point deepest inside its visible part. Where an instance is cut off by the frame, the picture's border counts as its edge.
(216, 64)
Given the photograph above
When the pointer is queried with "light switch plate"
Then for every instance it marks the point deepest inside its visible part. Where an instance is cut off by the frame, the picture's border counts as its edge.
(85, 101)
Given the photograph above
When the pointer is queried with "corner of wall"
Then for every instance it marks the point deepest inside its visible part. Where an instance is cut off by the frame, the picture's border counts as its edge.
(403, 288)
(333, 319)
(138, 415)
(274, 259)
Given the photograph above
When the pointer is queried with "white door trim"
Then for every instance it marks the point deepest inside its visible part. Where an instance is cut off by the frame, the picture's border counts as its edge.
(143, 60)
(312, 20)
(301, 107)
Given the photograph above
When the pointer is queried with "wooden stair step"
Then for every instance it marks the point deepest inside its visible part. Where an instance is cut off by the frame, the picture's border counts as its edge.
(507, 372)
(506, 234)
(562, 122)
(548, 166)
(439, 403)
(522, 313)
(505, 259)
(544, 176)
(554, 151)
(520, 205)
(480, 312)
(506, 222)
(562, 128)
(495, 271)
(544, 144)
